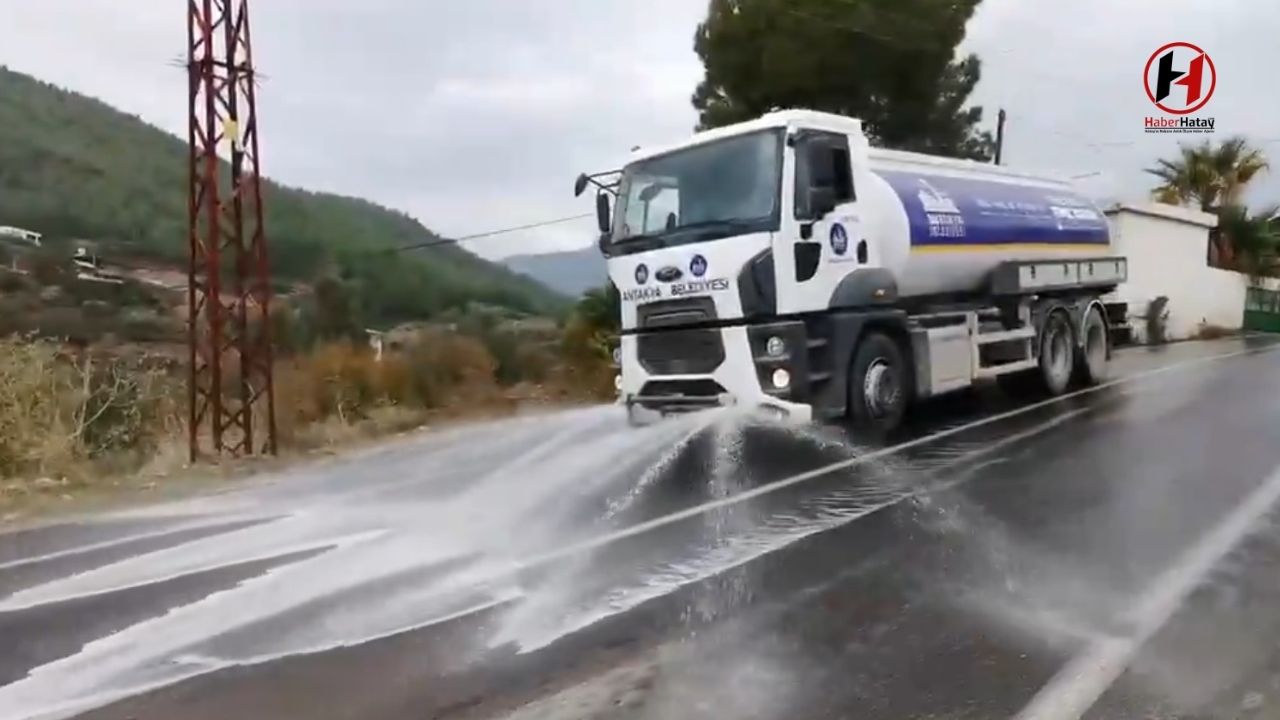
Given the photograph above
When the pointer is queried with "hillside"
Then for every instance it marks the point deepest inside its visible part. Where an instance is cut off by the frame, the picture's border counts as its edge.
(73, 167)
(571, 272)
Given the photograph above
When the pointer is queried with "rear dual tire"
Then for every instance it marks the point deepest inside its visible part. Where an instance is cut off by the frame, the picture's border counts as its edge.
(1057, 353)
(1062, 359)
(1094, 349)
(1057, 360)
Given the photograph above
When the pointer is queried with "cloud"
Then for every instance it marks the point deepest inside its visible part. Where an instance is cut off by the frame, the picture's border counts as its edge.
(1070, 77)
(478, 115)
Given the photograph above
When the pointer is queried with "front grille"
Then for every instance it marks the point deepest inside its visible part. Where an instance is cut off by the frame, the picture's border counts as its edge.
(693, 388)
(680, 352)
(674, 313)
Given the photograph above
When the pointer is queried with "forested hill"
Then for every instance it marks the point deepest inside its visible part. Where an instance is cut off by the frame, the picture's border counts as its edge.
(571, 272)
(71, 166)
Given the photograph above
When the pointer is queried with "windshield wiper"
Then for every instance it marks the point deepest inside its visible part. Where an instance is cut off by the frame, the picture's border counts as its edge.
(703, 230)
(728, 223)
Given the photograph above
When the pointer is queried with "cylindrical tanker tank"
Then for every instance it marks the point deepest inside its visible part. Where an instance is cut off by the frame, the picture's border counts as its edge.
(941, 226)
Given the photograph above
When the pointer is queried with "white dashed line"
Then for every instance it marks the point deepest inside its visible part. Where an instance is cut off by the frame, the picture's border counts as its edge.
(1079, 684)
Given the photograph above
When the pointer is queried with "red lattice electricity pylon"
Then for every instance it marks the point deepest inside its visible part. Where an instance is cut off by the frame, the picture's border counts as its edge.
(232, 405)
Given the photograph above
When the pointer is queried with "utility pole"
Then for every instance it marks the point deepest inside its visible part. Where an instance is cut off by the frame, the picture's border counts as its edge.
(1000, 117)
(230, 393)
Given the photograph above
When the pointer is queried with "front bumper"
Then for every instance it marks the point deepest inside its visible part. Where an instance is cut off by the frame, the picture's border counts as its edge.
(741, 377)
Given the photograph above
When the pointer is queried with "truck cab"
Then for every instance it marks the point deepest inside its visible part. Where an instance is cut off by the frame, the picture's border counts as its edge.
(756, 262)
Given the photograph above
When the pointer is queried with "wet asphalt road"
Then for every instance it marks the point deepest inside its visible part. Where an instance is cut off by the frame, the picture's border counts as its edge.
(534, 569)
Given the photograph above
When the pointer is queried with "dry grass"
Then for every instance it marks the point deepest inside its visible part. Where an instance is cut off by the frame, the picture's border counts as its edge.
(85, 424)
(69, 416)
(1209, 331)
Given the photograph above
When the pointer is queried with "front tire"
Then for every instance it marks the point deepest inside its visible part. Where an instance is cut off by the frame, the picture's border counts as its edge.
(879, 385)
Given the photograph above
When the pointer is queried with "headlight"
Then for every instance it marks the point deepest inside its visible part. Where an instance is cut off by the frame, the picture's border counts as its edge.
(781, 378)
(775, 347)
(617, 356)
(617, 382)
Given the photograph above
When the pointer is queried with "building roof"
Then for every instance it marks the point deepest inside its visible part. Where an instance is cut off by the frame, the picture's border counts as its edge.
(1165, 211)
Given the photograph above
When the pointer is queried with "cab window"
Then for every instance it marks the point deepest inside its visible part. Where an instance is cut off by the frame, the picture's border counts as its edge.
(822, 163)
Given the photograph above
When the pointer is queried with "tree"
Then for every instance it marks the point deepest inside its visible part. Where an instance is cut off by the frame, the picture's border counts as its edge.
(1253, 239)
(889, 62)
(590, 333)
(601, 308)
(1209, 176)
(336, 312)
(1213, 178)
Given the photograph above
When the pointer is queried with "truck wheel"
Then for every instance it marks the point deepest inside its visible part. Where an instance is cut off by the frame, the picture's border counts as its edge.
(1057, 353)
(879, 385)
(1091, 356)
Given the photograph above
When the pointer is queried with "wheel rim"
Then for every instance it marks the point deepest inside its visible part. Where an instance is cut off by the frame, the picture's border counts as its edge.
(880, 388)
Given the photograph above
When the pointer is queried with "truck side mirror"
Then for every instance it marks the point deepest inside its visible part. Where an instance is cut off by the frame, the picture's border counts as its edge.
(602, 212)
(580, 184)
(822, 200)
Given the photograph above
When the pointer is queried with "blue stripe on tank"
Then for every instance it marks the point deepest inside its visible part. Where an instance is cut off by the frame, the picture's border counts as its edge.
(945, 210)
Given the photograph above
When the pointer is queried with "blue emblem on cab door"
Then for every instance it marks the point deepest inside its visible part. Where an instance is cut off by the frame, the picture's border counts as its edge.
(839, 239)
(698, 266)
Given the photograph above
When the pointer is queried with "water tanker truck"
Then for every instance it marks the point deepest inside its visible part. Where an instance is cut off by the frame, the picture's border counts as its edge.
(786, 265)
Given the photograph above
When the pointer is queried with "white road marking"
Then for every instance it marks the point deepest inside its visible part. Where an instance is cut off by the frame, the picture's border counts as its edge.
(1084, 678)
(177, 528)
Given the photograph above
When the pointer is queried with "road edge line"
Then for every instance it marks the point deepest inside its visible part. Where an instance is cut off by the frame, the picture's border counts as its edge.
(1086, 676)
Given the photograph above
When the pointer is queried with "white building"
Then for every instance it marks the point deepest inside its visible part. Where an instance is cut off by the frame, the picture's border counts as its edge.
(30, 237)
(1167, 247)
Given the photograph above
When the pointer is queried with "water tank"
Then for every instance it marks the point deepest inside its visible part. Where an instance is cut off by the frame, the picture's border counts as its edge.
(940, 225)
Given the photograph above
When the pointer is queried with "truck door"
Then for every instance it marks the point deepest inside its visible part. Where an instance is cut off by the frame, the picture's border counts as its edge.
(825, 241)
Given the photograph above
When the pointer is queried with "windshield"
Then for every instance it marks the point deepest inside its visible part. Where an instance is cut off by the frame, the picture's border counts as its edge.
(721, 188)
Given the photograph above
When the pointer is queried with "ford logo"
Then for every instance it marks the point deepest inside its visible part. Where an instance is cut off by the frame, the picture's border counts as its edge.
(698, 266)
(642, 274)
(669, 273)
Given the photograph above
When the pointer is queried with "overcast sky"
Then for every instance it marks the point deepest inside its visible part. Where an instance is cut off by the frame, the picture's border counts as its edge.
(477, 114)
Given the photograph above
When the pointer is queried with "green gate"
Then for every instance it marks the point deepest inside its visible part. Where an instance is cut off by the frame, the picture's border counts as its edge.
(1262, 310)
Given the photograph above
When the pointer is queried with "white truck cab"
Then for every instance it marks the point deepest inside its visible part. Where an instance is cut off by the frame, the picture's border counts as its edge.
(785, 265)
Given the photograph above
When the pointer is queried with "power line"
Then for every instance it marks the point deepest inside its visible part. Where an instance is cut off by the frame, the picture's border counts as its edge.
(487, 233)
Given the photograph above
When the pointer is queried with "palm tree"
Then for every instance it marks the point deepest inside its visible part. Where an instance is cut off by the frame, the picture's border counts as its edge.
(1209, 176)
(1213, 178)
(1236, 164)
(1186, 179)
(1254, 239)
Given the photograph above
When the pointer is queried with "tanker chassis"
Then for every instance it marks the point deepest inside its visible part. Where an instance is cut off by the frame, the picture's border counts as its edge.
(784, 264)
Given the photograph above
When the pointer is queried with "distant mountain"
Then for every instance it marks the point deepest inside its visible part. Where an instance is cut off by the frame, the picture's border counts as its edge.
(570, 272)
(74, 167)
